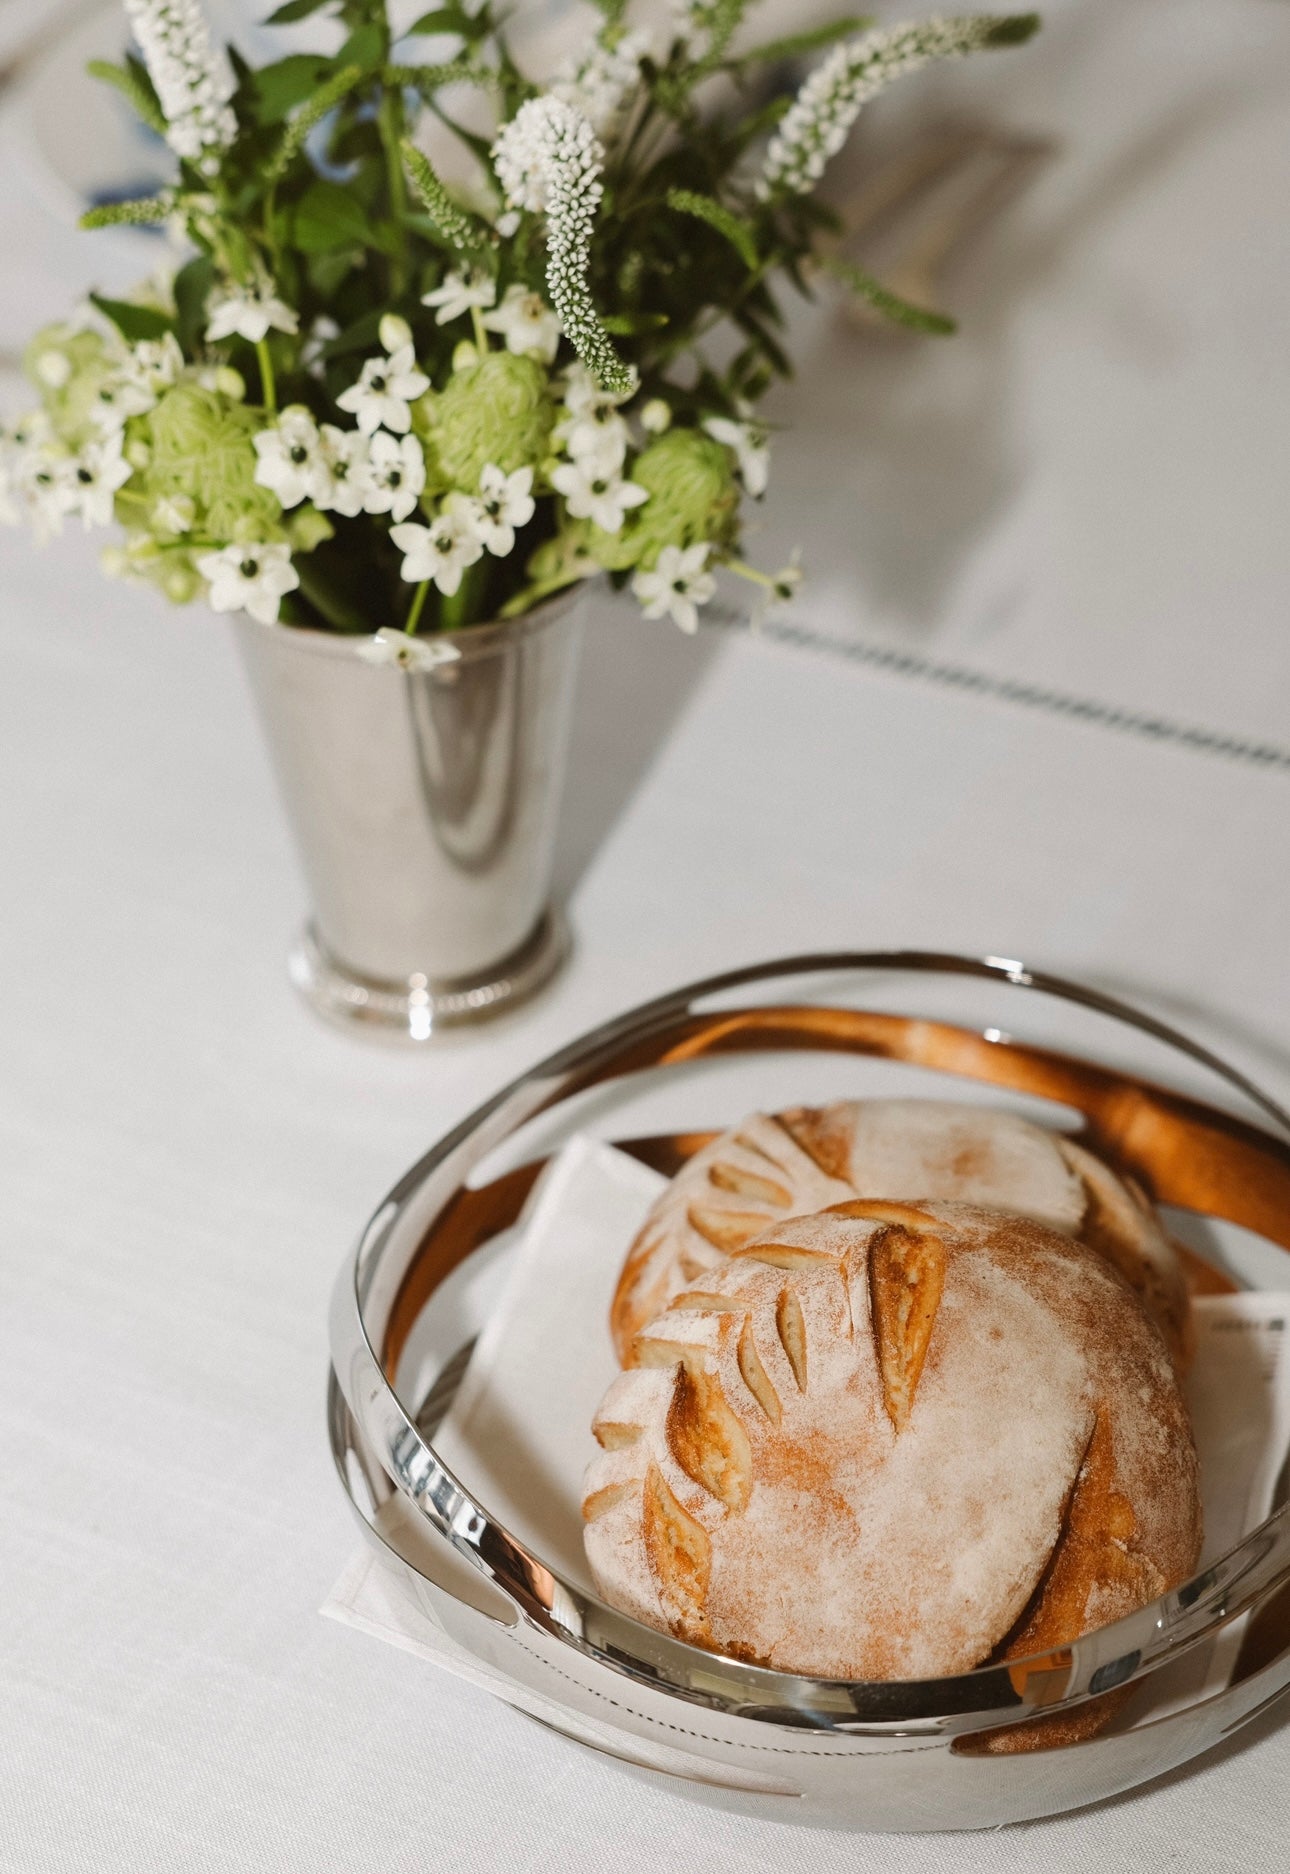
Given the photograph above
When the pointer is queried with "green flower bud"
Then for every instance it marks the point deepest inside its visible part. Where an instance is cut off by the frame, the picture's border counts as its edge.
(181, 582)
(693, 496)
(498, 410)
(202, 448)
(69, 368)
(306, 528)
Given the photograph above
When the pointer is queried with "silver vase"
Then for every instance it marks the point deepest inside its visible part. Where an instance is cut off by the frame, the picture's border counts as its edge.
(424, 805)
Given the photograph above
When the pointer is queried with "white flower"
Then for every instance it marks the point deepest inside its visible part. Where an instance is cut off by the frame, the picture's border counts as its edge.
(509, 223)
(443, 550)
(785, 582)
(249, 312)
(192, 84)
(656, 416)
(548, 159)
(396, 475)
(597, 442)
(527, 323)
(678, 584)
(396, 647)
(290, 459)
(592, 496)
(346, 458)
(173, 514)
(154, 365)
(459, 292)
(592, 431)
(52, 368)
(249, 579)
(747, 442)
(385, 389)
(504, 502)
(599, 84)
(115, 401)
(820, 118)
(94, 477)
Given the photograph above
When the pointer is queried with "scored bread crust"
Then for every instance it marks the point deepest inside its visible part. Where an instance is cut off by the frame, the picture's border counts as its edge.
(790, 1164)
(890, 1442)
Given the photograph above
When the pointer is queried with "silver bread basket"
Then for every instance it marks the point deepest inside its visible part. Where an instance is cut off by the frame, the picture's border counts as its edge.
(887, 1756)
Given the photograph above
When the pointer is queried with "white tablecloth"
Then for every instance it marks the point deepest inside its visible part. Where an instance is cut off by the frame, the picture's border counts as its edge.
(187, 1155)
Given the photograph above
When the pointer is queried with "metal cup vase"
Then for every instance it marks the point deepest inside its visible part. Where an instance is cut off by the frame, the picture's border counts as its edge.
(424, 805)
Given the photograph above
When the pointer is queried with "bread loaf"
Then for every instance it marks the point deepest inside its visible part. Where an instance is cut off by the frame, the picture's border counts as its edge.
(894, 1441)
(794, 1163)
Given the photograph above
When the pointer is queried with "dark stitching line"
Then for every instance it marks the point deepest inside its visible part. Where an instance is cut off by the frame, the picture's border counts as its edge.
(1028, 695)
(776, 1750)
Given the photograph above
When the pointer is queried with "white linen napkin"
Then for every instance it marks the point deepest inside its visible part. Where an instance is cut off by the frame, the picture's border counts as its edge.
(518, 1433)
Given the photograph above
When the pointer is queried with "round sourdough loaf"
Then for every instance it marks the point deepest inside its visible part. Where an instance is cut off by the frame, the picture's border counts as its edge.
(891, 1441)
(774, 1166)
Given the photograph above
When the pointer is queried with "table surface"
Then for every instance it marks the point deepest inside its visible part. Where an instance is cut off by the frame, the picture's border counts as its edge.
(1082, 496)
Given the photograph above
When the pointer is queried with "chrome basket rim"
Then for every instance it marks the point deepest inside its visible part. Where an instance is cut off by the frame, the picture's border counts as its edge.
(365, 1412)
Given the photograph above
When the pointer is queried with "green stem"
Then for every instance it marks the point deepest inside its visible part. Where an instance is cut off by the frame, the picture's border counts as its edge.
(326, 602)
(414, 610)
(267, 389)
(750, 572)
(389, 119)
(481, 336)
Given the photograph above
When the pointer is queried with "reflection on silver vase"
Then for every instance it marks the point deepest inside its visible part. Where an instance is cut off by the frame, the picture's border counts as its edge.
(424, 805)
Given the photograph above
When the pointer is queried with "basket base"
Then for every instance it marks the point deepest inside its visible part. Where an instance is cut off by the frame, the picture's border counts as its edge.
(419, 1008)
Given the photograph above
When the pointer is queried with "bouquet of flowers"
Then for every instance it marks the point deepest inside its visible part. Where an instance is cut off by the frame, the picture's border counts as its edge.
(372, 403)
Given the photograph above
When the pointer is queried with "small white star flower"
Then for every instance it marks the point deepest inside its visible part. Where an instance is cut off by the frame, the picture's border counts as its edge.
(385, 389)
(527, 323)
(597, 442)
(94, 477)
(173, 514)
(677, 585)
(443, 550)
(787, 580)
(154, 365)
(593, 496)
(747, 442)
(290, 459)
(250, 579)
(116, 400)
(396, 474)
(459, 292)
(396, 647)
(40, 476)
(346, 458)
(504, 502)
(249, 312)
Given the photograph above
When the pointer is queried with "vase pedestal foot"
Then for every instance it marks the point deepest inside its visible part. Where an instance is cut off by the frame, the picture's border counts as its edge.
(418, 1007)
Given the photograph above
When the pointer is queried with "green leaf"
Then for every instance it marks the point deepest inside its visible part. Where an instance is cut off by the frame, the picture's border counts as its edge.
(192, 288)
(281, 86)
(295, 10)
(366, 46)
(327, 217)
(135, 86)
(134, 323)
(449, 19)
(360, 336)
(797, 45)
(732, 226)
(890, 305)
